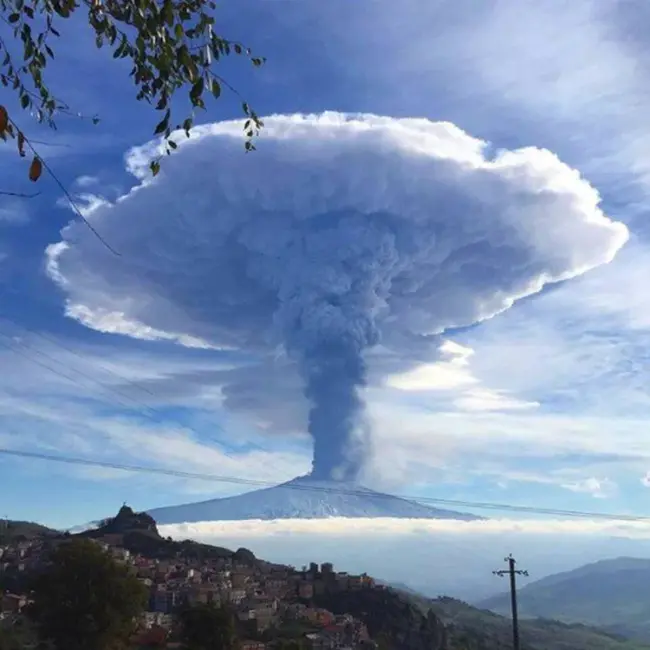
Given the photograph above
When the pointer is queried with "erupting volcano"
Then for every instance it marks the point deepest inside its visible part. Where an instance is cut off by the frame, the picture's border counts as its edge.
(304, 498)
(341, 235)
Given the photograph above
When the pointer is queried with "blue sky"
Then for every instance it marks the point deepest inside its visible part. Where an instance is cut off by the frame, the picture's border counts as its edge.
(545, 404)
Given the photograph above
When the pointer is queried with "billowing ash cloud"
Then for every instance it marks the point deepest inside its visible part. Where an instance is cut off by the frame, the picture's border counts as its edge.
(340, 233)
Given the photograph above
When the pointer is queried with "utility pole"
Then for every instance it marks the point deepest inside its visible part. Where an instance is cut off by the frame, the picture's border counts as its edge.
(512, 572)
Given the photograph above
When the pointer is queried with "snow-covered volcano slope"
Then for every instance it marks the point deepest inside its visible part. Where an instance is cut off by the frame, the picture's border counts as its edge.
(303, 498)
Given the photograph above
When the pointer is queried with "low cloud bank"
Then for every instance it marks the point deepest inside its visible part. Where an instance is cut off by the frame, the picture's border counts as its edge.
(436, 557)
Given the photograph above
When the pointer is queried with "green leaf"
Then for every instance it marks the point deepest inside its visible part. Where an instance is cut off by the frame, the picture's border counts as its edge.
(197, 89)
(172, 144)
(14, 18)
(215, 87)
(154, 166)
(168, 13)
(24, 101)
(160, 127)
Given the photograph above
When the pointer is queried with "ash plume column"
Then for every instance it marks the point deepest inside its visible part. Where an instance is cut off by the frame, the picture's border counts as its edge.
(342, 234)
(337, 278)
(333, 376)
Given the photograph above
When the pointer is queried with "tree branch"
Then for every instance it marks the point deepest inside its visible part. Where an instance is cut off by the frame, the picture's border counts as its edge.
(19, 194)
(67, 194)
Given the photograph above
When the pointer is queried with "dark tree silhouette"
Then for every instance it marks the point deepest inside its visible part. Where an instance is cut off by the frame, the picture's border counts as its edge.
(85, 600)
(207, 627)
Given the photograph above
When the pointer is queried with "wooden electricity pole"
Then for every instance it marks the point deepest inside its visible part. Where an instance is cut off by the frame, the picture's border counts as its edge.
(512, 572)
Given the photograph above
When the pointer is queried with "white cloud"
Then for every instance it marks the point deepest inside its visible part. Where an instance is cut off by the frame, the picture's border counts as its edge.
(115, 322)
(335, 527)
(429, 442)
(453, 374)
(436, 556)
(491, 400)
(579, 350)
(570, 76)
(130, 441)
(86, 181)
(599, 488)
(13, 211)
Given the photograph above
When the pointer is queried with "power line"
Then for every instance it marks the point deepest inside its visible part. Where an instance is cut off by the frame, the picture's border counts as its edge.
(147, 411)
(322, 489)
(74, 352)
(141, 408)
(512, 573)
(38, 363)
(81, 373)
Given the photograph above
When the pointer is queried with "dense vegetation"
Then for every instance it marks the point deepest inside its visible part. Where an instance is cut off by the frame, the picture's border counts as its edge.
(206, 627)
(470, 628)
(84, 600)
(15, 531)
(390, 618)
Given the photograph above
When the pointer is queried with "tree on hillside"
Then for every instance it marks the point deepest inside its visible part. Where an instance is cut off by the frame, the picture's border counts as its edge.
(84, 600)
(207, 627)
(289, 644)
(171, 44)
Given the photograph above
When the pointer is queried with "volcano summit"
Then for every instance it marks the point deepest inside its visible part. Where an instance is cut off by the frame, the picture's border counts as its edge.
(304, 498)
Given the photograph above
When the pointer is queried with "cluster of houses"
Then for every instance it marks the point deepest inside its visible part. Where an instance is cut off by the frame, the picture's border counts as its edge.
(266, 597)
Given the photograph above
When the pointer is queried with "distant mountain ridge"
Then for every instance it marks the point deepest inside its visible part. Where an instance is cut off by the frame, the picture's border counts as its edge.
(304, 498)
(611, 594)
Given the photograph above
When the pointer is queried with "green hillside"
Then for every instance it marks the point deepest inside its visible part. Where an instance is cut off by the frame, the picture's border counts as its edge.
(14, 531)
(611, 594)
(476, 629)
(471, 628)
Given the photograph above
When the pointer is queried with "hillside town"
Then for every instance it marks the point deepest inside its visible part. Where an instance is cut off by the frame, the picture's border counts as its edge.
(271, 601)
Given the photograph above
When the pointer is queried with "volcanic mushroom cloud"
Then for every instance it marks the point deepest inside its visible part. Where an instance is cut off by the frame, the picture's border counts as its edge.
(339, 234)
